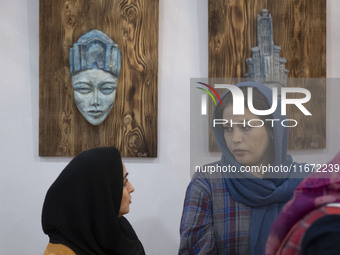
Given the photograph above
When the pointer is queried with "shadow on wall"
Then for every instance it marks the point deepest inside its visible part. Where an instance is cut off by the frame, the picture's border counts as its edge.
(155, 238)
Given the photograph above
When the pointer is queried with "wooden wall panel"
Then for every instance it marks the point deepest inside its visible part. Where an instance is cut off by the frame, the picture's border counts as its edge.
(299, 27)
(131, 125)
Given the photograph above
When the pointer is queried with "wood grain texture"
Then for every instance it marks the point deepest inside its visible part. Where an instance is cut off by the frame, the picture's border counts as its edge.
(299, 27)
(131, 125)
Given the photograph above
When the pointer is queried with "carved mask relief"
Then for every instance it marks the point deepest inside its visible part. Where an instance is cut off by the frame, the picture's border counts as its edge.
(95, 66)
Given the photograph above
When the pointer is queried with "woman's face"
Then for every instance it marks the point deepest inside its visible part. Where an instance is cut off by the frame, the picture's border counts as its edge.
(248, 145)
(126, 197)
(94, 94)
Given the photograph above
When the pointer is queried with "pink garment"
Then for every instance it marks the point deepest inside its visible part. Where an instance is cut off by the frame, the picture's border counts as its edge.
(316, 190)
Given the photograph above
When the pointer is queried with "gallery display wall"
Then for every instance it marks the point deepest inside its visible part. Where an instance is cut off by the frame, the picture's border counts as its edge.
(160, 182)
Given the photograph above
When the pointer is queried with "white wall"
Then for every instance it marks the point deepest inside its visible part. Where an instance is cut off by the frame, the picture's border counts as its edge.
(160, 183)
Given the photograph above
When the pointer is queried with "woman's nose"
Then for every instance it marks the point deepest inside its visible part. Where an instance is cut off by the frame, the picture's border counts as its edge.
(237, 135)
(95, 99)
(131, 188)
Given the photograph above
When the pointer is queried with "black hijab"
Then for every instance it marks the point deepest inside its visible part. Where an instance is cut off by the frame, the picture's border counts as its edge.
(82, 205)
(322, 237)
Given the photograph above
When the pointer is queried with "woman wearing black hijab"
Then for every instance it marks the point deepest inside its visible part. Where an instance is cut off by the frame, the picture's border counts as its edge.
(82, 212)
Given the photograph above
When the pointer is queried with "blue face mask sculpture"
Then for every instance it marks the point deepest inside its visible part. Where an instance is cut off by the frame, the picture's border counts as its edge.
(95, 61)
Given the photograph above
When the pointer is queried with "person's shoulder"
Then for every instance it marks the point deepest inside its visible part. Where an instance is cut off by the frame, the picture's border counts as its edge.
(58, 249)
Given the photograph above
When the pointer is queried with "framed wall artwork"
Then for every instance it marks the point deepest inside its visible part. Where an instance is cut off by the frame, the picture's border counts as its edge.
(299, 28)
(98, 66)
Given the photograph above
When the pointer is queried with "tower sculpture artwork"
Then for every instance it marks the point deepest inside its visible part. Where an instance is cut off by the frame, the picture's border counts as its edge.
(266, 65)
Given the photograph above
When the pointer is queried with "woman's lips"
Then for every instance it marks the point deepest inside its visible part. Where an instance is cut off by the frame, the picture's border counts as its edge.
(239, 153)
(94, 112)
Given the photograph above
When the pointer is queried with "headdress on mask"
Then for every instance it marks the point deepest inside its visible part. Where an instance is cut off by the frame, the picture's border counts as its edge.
(95, 50)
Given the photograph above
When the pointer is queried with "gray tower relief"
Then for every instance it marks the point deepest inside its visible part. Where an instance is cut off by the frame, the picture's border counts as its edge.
(266, 65)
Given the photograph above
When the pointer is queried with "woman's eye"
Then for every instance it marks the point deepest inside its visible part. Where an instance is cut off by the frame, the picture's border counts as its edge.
(228, 129)
(246, 128)
(84, 90)
(107, 89)
(125, 182)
